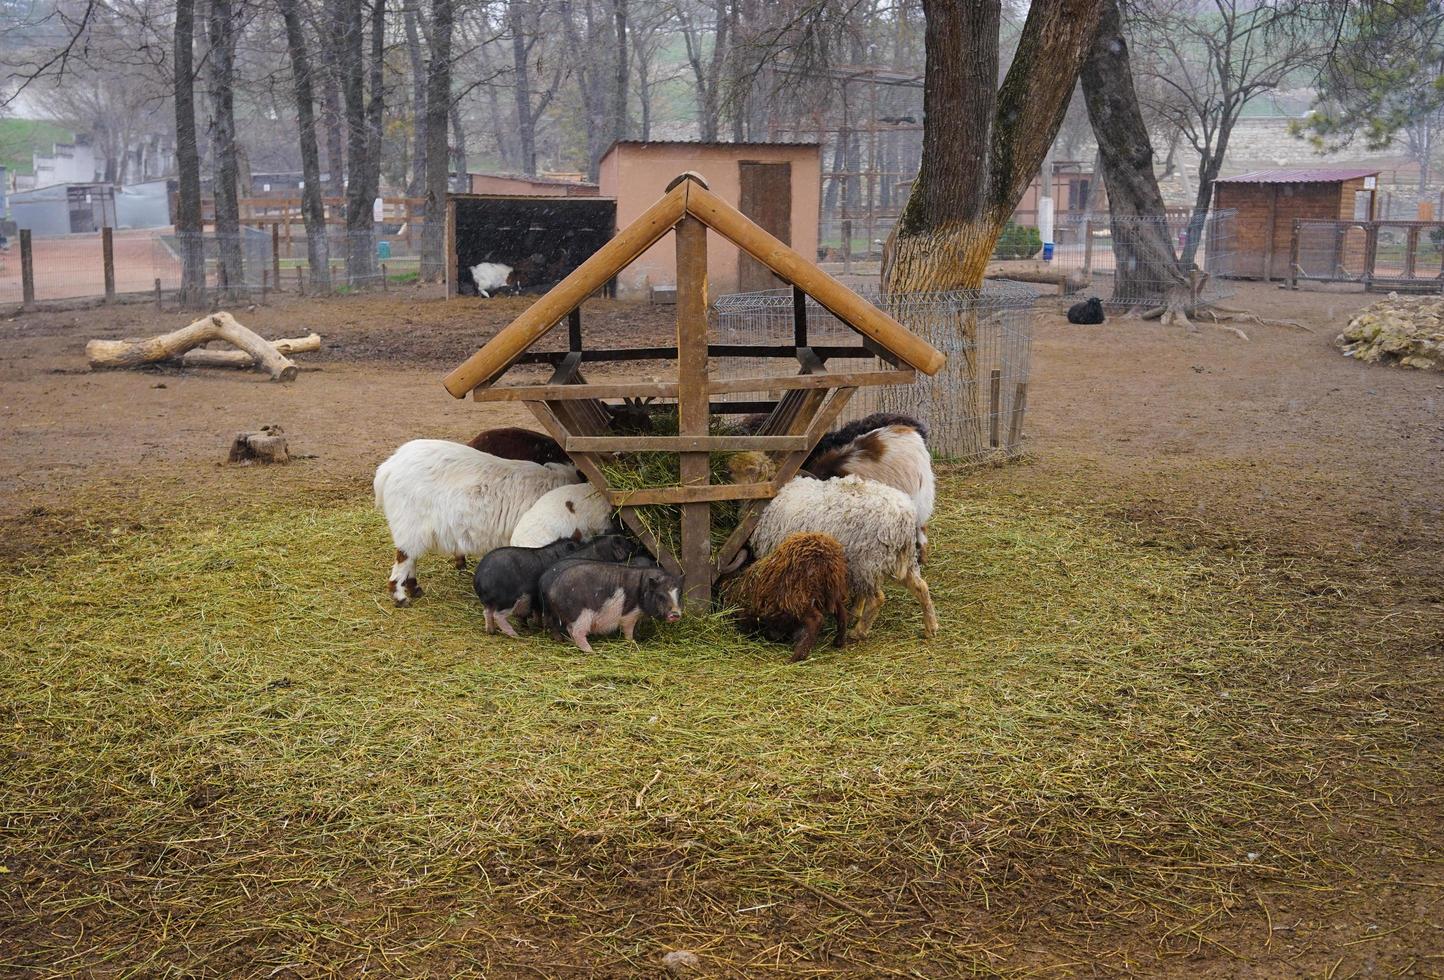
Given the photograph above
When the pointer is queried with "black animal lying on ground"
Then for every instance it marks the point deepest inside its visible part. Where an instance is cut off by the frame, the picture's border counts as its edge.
(1087, 312)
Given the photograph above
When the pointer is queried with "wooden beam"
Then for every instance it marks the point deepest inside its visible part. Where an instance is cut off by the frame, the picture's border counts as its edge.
(866, 349)
(692, 417)
(742, 408)
(574, 328)
(842, 302)
(856, 379)
(799, 317)
(562, 393)
(683, 444)
(487, 364)
(689, 495)
(107, 260)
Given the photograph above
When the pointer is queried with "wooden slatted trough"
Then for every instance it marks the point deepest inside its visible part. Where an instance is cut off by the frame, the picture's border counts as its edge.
(571, 409)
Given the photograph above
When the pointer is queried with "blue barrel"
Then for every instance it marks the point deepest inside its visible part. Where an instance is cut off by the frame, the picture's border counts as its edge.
(383, 250)
(1047, 251)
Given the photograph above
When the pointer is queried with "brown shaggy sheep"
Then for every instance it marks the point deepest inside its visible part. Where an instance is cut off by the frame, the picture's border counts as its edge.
(787, 595)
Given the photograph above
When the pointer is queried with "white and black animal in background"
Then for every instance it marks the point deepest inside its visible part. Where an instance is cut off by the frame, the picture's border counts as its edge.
(1090, 311)
(877, 526)
(441, 496)
(887, 448)
(585, 598)
(578, 510)
(491, 277)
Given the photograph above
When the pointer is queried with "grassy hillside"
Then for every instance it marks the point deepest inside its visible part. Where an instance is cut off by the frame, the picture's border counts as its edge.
(18, 137)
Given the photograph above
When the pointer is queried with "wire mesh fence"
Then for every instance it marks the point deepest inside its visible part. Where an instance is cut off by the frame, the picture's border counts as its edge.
(1384, 254)
(233, 266)
(1105, 254)
(973, 407)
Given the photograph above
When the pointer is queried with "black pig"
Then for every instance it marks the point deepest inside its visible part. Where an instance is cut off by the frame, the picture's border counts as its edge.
(1087, 312)
(586, 597)
(506, 580)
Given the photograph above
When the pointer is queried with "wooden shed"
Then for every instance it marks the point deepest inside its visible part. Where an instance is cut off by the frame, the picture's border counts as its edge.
(776, 185)
(1268, 202)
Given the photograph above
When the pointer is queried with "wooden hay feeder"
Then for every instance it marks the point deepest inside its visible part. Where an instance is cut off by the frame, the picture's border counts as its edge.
(571, 409)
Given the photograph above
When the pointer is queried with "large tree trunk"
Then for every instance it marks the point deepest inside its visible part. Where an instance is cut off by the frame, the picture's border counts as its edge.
(332, 110)
(313, 208)
(188, 220)
(982, 146)
(416, 186)
(1145, 266)
(221, 29)
(438, 107)
(521, 86)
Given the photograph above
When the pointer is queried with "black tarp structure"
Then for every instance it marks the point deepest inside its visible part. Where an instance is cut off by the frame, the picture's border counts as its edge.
(541, 238)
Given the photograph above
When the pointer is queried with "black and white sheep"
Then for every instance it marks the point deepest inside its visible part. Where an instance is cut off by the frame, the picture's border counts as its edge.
(445, 497)
(886, 448)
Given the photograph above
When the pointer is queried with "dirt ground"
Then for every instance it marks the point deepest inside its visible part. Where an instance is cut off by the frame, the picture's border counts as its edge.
(1276, 444)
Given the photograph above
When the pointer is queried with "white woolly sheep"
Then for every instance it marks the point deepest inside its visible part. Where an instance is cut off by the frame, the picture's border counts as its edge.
(577, 510)
(443, 496)
(877, 527)
(893, 453)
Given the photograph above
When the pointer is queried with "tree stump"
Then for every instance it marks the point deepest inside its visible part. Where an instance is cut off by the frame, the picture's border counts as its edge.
(266, 446)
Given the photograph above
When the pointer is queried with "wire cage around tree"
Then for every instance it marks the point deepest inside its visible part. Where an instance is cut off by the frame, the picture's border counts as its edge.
(973, 407)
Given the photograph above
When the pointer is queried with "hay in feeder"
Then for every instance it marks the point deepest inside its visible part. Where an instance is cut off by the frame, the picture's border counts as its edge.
(1406, 331)
(646, 470)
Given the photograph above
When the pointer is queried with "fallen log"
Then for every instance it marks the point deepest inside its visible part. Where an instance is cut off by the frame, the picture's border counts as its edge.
(168, 346)
(1069, 282)
(240, 359)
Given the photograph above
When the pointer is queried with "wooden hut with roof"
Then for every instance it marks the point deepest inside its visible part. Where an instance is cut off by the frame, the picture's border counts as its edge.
(571, 409)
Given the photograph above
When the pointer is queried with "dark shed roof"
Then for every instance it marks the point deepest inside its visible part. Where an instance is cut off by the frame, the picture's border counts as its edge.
(1300, 175)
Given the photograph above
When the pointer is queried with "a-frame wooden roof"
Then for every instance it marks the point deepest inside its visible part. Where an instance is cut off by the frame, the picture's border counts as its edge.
(688, 195)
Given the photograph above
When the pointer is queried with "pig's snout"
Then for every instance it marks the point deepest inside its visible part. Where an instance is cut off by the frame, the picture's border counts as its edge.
(673, 615)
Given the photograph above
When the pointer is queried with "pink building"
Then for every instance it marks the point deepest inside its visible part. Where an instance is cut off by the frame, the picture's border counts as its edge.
(777, 185)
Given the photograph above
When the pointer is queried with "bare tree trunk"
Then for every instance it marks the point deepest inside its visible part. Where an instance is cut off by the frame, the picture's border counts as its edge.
(188, 222)
(419, 116)
(458, 139)
(221, 30)
(1143, 259)
(313, 208)
(332, 111)
(521, 86)
(363, 124)
(438, 107)
(623, 121)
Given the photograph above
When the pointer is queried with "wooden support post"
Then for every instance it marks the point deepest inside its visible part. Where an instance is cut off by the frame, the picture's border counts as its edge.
(1371, 251)
(1294, 257)
(995, 391)
(384, 277)
(1088, 247)
(107, 260)
(290, 246)
(1411, 252)
(276, 253)
(1268, 266)
(27, 270)
(574, 329)
(157, 296)
(452, 272)
(1015, 424)
(300, 282)
(799, 317)
(846, 246)
(265, 283)
(696, 557)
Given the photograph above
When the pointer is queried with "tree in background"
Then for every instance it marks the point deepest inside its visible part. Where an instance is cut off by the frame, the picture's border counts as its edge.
(188, 219)
(1145, 265)
(313, 208)
(364, 97)
(1385, 78)
(438, 110)
(221, 31)
(1203, 63)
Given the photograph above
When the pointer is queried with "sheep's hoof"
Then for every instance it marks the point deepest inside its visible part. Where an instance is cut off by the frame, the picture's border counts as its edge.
(402, 601)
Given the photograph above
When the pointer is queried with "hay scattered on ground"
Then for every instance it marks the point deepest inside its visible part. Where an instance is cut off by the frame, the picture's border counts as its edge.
(1402, 330)
(225, 752)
